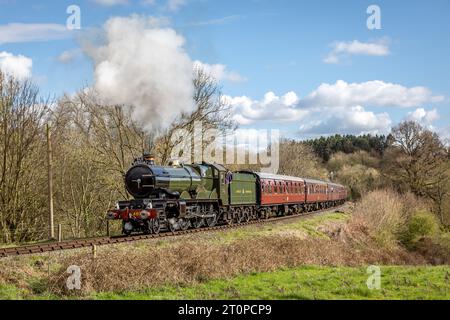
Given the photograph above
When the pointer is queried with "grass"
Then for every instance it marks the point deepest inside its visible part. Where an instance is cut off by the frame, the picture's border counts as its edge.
(302, 283)
(320, 257)
(301, 228)
(311, 282)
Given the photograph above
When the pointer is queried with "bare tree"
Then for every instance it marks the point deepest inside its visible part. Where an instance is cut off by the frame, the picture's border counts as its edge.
(22, 146)
(416, 161)
(298, 159)
(109, 131)
(211, 110)
(415, 157)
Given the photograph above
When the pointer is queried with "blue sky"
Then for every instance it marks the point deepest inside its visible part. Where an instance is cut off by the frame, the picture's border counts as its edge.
(279, 61)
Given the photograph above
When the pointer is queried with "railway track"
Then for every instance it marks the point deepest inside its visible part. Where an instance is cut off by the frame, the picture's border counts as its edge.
(86, 243)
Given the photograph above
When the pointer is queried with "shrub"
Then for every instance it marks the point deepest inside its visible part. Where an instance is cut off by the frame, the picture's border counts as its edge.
(420, 225)
(383, 213)
(359, 178)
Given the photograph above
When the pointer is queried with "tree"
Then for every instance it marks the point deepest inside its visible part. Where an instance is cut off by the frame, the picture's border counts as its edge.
(22, 151)
(212, 111)
(298, 159)
(416, 161)
(325, 147)
(109, 130)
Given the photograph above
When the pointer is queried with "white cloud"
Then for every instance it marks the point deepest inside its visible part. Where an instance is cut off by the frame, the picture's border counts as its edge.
(370, 93)
(220, 72)
(27, 32)
(344, 49)
(110, 3)
(17, 66)
(422, 116)
(349, 120)
(336, 108)
(167, 5)
(218, 21)
(175, 5)
(68, 56)
(271, 107)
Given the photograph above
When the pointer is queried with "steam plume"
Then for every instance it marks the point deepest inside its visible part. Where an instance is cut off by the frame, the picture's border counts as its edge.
(144, 64)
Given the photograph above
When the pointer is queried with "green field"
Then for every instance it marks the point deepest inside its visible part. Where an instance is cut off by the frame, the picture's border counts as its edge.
(311, 283)
(306, 283)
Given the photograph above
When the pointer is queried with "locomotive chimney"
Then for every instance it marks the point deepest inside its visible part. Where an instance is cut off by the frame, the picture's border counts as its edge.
(149, 158)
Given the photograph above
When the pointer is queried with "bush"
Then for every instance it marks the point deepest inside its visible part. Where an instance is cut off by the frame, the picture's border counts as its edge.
(359, 178)
(420, 225)
(383, 213)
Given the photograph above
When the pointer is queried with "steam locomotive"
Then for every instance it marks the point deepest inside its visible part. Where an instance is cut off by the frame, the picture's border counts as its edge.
(179, 197)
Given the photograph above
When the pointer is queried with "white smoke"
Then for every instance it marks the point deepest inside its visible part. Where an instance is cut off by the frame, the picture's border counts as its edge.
(143, 64)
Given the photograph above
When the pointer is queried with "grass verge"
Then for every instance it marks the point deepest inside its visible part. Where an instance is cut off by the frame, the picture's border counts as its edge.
(310, 282)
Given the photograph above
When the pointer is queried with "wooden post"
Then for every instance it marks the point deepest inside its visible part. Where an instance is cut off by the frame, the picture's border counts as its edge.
(50, 183)
(59, 233)
(94, 251)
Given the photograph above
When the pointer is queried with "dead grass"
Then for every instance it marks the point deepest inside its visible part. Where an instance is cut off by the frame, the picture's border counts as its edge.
(183, 264)
(382, 215)
(194, 259)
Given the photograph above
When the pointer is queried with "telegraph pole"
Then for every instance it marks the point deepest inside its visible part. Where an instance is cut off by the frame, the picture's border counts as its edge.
(50, 183)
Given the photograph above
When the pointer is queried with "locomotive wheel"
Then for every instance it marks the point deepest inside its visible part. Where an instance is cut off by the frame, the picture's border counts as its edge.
(184, 224)
(155, 226)
(246, 215)
(228, 220)
(197, 223)
(170, 226)
(125, 231)
(211, 222)
(239, 215)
